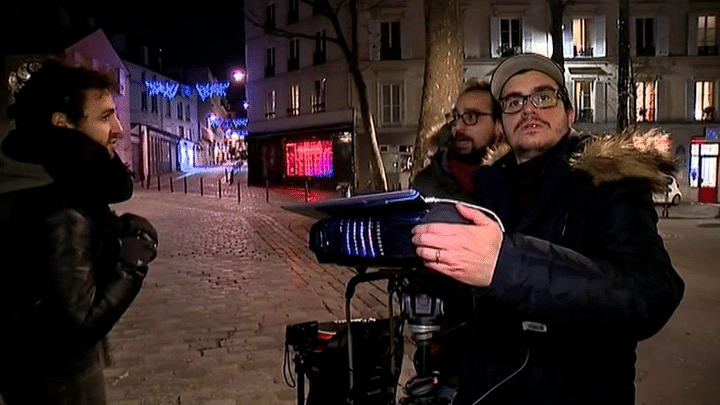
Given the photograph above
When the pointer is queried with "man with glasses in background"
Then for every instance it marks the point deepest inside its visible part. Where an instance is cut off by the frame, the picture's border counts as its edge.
(574, 273)
(462, 145)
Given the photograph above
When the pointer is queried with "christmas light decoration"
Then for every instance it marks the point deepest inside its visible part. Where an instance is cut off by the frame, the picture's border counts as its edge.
(170, 90)
(167, 89)
(206, 90)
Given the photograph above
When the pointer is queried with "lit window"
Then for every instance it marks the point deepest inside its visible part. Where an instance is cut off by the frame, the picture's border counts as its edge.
(704, 96)
(318, 97)
(509, 37)
(707, 35)
(310, 158)
(645, 102)
(294, 101)
(583, 100)
(270, 105)
(645, 36)
(581, 37)
(391, 102)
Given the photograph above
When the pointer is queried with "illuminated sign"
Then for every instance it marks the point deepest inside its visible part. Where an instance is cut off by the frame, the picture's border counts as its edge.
(310, 158)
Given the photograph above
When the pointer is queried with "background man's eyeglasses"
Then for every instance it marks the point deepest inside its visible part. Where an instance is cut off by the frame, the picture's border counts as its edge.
(540, 99)
(468, 117)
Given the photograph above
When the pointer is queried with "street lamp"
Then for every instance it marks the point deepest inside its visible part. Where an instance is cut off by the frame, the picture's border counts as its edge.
(238, 75)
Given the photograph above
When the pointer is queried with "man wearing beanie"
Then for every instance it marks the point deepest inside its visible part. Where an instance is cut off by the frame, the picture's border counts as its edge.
(574, 274)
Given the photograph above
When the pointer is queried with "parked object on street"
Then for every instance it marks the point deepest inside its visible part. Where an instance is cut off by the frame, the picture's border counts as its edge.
(672, 194)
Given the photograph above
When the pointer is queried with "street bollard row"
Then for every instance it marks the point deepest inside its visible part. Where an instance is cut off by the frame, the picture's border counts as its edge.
(201, 183)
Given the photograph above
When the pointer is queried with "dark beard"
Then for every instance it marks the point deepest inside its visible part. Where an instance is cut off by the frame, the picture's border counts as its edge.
(473, 158)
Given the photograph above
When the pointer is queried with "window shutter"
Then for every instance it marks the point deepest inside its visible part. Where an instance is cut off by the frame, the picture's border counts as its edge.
(495, 37)
(599, 36)
(374, 38)
(662, 41)
(692, 48)
(527, 32)
(406, 40)
(567, 38)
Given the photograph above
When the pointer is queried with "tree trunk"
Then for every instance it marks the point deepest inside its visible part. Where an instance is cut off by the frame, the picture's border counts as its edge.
(623, 64)
(368, 135)
(444, 62)
(557, 9)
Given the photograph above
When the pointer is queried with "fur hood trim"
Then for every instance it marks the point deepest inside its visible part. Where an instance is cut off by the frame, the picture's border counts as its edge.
(631, 153)
(612, 157)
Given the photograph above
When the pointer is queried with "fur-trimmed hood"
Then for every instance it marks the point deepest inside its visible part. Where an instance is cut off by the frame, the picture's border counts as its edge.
(612, 157)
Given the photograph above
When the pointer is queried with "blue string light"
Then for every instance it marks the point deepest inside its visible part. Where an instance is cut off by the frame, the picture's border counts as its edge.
(170, 90)
(206, 90)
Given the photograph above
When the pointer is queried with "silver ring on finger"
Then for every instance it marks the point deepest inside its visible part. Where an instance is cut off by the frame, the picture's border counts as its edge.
(437, 256)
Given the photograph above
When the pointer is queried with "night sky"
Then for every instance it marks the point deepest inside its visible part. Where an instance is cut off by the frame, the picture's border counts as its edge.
(206, 34)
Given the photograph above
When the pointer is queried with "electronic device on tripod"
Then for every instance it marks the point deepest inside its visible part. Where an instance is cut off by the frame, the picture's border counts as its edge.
(374, 230)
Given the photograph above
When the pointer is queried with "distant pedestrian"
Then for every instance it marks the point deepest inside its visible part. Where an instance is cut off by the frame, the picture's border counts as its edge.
(70, 266)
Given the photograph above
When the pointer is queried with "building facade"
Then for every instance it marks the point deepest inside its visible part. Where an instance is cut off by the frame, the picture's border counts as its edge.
(164, 129)
(299, 88)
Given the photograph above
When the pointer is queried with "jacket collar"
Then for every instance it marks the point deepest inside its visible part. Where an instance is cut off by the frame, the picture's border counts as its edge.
(75, 162)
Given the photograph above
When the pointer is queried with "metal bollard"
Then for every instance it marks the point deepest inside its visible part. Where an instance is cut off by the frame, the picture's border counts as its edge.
(267, 191)
(306, 192)
(219, 189)
(238, 185)
(185, 184)
(158, 179)
(201, 186)
(172, 189)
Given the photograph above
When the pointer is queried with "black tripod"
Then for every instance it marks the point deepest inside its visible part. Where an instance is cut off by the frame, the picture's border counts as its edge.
(421, 312)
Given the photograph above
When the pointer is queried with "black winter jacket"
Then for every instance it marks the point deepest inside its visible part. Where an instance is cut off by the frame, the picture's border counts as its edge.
(581, 277)
(437, 180)
(63, 286)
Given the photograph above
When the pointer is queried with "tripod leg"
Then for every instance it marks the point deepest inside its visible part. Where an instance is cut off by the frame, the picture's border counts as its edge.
(300, 380)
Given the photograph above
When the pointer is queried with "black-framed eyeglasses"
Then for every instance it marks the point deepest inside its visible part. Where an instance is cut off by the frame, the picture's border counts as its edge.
(547, 98)
(469, 117)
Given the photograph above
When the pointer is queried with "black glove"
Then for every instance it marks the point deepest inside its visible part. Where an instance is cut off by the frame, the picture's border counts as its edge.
(138, 240)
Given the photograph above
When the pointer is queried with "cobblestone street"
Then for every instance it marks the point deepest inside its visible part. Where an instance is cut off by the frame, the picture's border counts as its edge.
(209, 325)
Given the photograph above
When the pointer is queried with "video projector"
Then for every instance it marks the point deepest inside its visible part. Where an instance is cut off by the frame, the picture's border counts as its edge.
(374, 230)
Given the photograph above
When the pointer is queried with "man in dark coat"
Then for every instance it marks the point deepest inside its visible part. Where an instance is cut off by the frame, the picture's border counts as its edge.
(579, 274)
(462, 145)
(71, 267)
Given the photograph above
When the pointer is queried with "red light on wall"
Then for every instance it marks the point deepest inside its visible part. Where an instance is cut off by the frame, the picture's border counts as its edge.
(309, 158)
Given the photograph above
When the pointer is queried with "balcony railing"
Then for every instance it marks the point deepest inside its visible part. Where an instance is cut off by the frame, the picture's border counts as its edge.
(646, 51)
(708, 50)
(269, 70)
(293, 64)
(319, 58)
(390, 53)
(586, 115)
(586, 52)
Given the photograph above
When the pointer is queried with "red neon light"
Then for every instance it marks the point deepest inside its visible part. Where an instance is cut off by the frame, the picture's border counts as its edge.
(309, 158)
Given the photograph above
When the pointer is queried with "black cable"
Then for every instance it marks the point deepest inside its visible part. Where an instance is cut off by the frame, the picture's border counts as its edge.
(286, 369)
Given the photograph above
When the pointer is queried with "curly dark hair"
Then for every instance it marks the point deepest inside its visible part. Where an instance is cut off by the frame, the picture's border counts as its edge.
(56, 87)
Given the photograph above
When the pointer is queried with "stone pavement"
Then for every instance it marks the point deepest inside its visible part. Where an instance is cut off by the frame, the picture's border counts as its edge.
(208, 326)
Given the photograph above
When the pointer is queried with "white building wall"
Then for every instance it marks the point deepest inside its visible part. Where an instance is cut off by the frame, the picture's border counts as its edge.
(675, 64)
